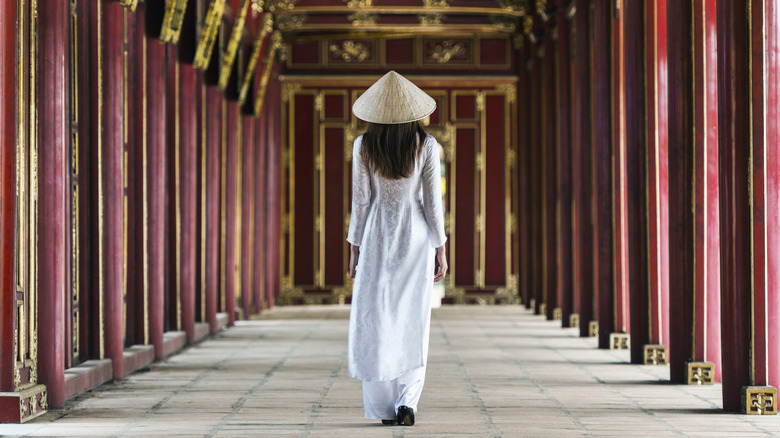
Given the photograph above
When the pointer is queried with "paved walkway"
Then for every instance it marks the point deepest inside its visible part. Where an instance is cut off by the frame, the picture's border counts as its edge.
(493, 371)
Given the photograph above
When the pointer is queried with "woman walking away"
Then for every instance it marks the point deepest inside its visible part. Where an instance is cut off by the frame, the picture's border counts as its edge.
(397, 240)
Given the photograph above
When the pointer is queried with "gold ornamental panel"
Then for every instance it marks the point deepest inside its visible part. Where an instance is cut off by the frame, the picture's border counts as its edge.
(655, 354)
(759, 400)
(619, 341)
(593, 329)
(574, 320)
(701, 373)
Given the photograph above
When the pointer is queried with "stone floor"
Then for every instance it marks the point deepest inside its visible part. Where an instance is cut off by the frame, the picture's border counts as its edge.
(493, 371)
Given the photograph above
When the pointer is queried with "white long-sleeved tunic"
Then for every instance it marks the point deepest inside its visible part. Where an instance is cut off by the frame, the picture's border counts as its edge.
(397, 224)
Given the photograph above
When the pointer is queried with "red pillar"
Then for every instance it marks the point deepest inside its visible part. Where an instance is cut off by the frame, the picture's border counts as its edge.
(213, 160)
(748, 170)
(537, 160)
(772, 62)
(524, 145)
(272, 108)
(584, 243)
(259, 181)
(549, 179)
(7, 193)
(155, 143)
(112, 47)
(232, 125)
(188, 189)
(602, 170)
(564, 170)
(693, 268)
(247, 214)
(52, 141)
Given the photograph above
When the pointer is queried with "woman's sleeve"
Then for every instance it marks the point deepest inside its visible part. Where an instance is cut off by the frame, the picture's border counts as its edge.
(361, 195)
(434, 212)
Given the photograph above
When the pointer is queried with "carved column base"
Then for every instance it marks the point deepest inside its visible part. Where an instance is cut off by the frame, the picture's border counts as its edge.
(701, 373)
(574, 320)
(22, 406)
(532, 304)
(557, 314)
(655, 354)
(619, 341)
(593, 329)
(543, 309)
(759, 400)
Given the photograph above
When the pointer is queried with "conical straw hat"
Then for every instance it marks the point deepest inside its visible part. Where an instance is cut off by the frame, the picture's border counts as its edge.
(393, 99)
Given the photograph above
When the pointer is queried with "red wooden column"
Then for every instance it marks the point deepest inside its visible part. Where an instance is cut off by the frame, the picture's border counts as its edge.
(565, 175)
(112, 48)
(247, 214)
(524, 150)
(7, 200)
(583, 171)
(619, 175)
(537, 198)
(53, 140)
(272, 107)
(232, 125)
(188, 191)
(748, 171)
(259, 181)
(602, 171)
(213, 159)
(156, 166)
(694, 272)
(549, 178)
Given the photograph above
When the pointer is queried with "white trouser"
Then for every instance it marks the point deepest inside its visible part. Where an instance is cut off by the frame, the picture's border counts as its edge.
(382, 399)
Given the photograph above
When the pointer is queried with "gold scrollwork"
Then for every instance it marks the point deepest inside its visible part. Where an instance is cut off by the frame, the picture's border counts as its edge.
(431, 20)
(444, 136)
(268, 25)
(528, 25)
(655, 354)
(514, 5)
(436, 3)
(359, 4)
(209, 34)
(229, 56)
(480, 101)
(509, 91)
(290, 21)
(350, 51)
(281, 5)
(759, 400)
(289, 90)
(503, 23)
(541, 9)
(363, 19)
(130, 5)
(456, 294)
(257, 6)
(172, 20)
(619, 341)
(701, 373)
(444, 52)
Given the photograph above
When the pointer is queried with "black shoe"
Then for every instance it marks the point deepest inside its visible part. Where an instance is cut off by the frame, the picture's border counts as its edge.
(405, 416)
(388, 422)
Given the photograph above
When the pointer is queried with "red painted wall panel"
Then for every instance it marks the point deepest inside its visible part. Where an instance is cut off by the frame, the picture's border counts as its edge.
(495, 214)
(305, 149)
(465, 174)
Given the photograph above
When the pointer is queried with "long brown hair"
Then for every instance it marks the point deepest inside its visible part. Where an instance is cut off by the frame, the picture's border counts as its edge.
(391, 150)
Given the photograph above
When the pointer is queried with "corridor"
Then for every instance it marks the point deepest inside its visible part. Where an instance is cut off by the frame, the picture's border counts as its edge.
(493, 371)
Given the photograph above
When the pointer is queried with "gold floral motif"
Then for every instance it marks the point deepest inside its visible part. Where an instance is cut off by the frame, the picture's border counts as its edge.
(509, 91)
(431, 20)
(289, 90)
(290, 21)
(350, 51)
(445, 51)
(257, 6)
(281, 5)
(130, 5)
(528, 25)
(359, 4)
(504, 24)
(363, 19)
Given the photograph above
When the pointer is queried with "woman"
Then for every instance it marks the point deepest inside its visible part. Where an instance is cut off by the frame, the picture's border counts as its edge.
(396, 233)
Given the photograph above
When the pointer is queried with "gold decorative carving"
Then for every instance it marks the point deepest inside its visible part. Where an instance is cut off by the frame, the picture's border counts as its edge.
(130, 5)
(619, 341)
(445, 51)
(290, 21)
(479, 224)
(350, 51)
(276, 44)
(511, 157)
(257, 6)
(514, 5)
(479, 162)
(289, 90)
(291, 296)
(532, 304)
(509, 91)
(509, 294)
(208, 34)
(448, 223)
(557, 314)
(701, 373)
(480, 101)
(593, 329)
(285, 223)
(268, 25)
(229, 56)
(512, 223)
(528, 25)
(347, 219)
(431, 20)
(363, 19)
(340, 294)
(436, 3)
(319, 105)
(318, 162)
(280, 5)
(480, 277)
(444, 136)
(574, 320)
(759, 400)
(457, 294)
(543, 309)
(359, 4)
(172, 20)
(518, 41)
(503, 23)
(350, 134)
(655, 354)
(541, 9)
